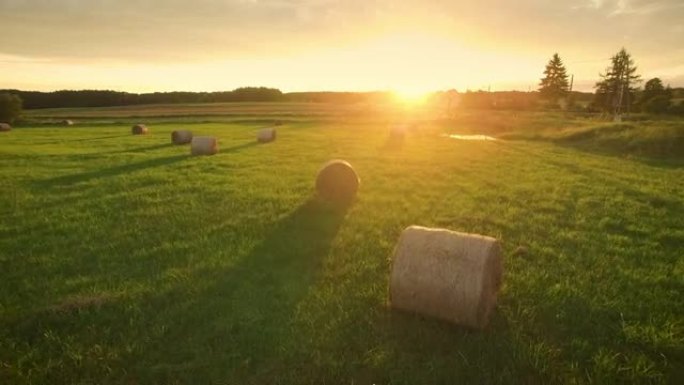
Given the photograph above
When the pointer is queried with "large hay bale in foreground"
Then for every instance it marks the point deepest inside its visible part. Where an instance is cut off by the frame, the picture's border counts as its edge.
(140, 129)
(398, 132)
(266, 135)
(181, 137)
(4, 127)
(446, 274)
(337, 182)
(204, 145)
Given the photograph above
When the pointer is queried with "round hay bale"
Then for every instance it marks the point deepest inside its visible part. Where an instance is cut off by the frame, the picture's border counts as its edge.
(204, 145)
(67, 122)
(337, 182)
(446, 274)
(4, 127)
(266, 135)
(398, 132)
(181, 137)
(140, 129)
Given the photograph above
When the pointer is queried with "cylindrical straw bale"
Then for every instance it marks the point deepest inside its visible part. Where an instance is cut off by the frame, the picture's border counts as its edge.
(67, 122)
(266, 135)
(140, 129)
(447, 275)
(337, 182)
(181, 137)
(397, 132)
(204, 145)
(4, 127)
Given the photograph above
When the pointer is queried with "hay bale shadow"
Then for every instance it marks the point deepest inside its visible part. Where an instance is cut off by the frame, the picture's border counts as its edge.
(139, 149)
(111, 172)
(237, 148)
(244, 310)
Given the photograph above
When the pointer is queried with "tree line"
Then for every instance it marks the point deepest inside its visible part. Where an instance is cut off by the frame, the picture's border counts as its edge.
(617, 90)
(99, 98)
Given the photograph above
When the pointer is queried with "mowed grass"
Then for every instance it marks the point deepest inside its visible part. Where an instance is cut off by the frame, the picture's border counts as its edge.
(124, 260)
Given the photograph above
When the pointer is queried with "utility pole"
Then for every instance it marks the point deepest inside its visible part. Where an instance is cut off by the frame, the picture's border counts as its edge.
(617, 117)
(572, 81)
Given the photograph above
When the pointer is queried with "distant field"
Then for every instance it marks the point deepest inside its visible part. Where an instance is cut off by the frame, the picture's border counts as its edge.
(213, 111)
(124, 260)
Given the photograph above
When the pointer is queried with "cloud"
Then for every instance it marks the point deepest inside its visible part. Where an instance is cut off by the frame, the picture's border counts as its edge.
(159, 32)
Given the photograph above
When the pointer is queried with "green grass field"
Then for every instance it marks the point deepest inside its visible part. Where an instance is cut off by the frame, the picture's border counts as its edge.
(125, 260)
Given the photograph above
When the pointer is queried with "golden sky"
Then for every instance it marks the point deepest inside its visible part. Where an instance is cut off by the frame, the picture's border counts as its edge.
(297, 45)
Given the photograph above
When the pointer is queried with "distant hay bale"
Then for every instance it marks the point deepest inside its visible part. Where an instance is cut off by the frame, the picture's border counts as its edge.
(266, 135)
(181, 137)
(140, 129)
(67, 122)
(204, 145)
(446, 274)
(4, 127)
(337, 182)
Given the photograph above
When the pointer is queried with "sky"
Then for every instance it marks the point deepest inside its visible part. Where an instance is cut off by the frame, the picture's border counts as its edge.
(409, 46)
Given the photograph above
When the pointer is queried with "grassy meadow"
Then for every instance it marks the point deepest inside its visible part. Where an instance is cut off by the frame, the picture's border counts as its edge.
(125, 260)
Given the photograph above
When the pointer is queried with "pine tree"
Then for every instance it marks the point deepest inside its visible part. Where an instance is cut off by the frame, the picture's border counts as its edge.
(616, 90)
(554, 85)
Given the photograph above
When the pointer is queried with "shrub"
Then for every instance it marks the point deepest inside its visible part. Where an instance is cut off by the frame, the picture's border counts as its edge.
(10, 107)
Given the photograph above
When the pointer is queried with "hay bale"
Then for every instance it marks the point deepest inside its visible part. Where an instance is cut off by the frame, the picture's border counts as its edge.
(4, 127)
(337, 182)
(204, 145)
(398, 132)
(67, 122)
(446, 274)
(278, 123)
(181, 137)
(140, 129)
(266, 135)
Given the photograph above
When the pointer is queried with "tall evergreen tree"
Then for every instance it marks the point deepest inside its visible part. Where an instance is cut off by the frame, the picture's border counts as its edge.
(616, 90)
(554, 85)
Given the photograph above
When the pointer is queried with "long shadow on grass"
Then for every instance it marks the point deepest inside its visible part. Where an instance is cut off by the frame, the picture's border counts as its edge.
(138, 149)
(236, 148)
(99, 138)
(240, 321)
(110, 172)
(220, 324)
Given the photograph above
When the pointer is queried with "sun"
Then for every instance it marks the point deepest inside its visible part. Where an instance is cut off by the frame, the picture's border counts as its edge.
(410, 95)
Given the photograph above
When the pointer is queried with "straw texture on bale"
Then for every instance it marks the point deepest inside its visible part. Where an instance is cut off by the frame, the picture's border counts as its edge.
(140, 129)
(337, 182)
(266, 135)
(5, 127)
(204, 145)
(447, 275)
(398, 132)
(67, 122)
(181, 137)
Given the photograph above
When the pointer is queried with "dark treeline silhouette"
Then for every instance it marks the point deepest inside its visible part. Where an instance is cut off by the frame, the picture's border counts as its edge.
(499, 100)
(98, 98)
(338, 97)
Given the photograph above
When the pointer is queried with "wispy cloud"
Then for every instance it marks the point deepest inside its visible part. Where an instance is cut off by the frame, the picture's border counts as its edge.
(160, 32)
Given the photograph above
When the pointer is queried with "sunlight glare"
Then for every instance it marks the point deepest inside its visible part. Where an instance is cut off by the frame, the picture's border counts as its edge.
(410, 95)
